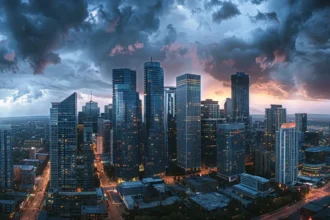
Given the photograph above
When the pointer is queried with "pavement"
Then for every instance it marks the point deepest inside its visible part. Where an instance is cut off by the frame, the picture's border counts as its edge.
(290, 209)
(32, 206)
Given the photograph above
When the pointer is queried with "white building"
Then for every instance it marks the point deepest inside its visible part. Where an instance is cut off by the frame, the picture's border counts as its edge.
(287, 148)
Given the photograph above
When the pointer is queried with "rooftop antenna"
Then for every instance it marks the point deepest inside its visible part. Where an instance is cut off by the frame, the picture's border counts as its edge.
(91, 96)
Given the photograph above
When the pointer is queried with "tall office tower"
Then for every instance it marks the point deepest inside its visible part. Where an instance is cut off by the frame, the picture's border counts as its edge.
(287, 142)
(6, 159)
(88, 132)
(275, 117)
(106, 136)
(154, 119)
(188, 117)
(125, 124)
(126, 137)
(230, 150)
(228, 108)
(140, 131)
(240, 97)
(108, 112)
(301, 122)
(170, 122)
(63, 143)
(210, 109)
(92, 111)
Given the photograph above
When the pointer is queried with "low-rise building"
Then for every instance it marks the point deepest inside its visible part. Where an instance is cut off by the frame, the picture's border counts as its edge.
(201, 184)
(130, 188)
(211, 201)
(7, 206)
(252, 186)
(98, 212)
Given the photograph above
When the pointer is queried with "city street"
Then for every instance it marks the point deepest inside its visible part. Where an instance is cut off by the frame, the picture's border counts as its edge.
(314, 194)
(32, 208)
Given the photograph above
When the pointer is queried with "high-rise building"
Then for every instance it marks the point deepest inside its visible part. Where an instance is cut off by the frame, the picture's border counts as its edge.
(108, 112)
(88, 170)
(188, 96)
(154, 119)
(32, 153)
(240, 97)
(88, 132)
(262, 163)
(230, 150)
(209, 141)
(228, 108)
(125, 124)
(275, 116)
(170, 122)
(92, 112)
(301, 122)
(6, 159)
(210, 109)
(63, 143)
(287, 148)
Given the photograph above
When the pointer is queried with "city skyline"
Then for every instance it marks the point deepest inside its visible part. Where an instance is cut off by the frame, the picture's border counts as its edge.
(284, 63)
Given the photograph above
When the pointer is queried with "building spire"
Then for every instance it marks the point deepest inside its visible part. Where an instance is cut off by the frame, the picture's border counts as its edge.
(91, 96)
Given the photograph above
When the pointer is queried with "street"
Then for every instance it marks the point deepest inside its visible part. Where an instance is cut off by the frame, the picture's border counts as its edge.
(314, 194)
(32, 207)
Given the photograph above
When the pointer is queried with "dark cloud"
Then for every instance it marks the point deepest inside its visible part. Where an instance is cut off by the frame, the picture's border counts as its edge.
(276, 52)
(270, 16)
(226, 11)
(37, 28)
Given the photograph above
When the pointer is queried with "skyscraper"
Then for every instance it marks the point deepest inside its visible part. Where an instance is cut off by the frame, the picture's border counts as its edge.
(170, 122)
(210, 109)
(92, 112)
(6, 159)
(188, 94)
(240, 97)
(301, 122)
(154, 119)
(125, 126)
(108, 112)
(275, 117)
(287, 142)
(63, 143)
(228, 108)
(230, 150)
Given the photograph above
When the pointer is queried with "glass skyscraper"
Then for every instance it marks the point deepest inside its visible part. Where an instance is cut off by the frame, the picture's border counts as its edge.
(230, 150)
(63, 143)
(170, 122)
(125, 124)
(287, 148)
(240, 97)
(210, 109)
(91, 111)
(301, 122)
(6, 159)
(155, 156)
(188, 96)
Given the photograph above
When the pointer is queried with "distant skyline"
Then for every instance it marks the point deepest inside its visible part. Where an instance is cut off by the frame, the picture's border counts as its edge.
(283, 46)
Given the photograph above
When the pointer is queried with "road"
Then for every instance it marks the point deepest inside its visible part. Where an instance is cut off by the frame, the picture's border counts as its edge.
(114, 210)
(32, 207)
(290, 209)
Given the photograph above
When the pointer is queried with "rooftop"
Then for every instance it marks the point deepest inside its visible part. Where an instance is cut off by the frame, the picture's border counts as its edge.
(246, 189)
(259, 178)
(94, 209)
(211, 201)
(289, 125)
(131, 184)
(8, 202)
(152, 180)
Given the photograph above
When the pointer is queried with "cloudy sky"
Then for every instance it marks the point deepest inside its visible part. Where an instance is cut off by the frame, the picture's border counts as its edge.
(49, 49)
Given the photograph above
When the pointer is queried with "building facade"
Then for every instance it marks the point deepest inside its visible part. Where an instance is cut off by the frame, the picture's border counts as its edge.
(228, 108)
(154, 146)
(230, 150)
(188, 94)
(287, 148)
(63, 143)
(210, 109)
(6, 159)
(301, 122)
(170, 122)
(240, 97)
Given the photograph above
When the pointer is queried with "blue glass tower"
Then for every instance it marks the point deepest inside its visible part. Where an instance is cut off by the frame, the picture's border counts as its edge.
(6, 159)
(188, 97)
(154, 118)
(63, 143)
(126, 124)
(240, 97)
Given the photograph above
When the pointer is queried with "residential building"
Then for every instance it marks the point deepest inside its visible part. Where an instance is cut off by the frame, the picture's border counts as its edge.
(188, 94)
(287, 148)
